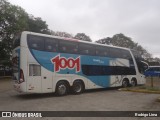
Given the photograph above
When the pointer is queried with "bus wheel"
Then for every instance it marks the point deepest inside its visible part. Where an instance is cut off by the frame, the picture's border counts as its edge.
(125, 83)
(133, 83)
(61, 88)
(78, 87)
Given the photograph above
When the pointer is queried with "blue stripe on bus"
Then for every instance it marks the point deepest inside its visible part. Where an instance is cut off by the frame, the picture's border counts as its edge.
(44, 59)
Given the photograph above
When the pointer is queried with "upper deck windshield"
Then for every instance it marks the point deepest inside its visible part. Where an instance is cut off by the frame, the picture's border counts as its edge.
(142, 66)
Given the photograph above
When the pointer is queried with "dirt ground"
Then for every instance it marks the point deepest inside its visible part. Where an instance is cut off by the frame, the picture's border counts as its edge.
(96, 100)
(6, 84)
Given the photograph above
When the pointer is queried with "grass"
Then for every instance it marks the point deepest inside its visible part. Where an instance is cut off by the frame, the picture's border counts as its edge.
(147, 87)
(143, 89)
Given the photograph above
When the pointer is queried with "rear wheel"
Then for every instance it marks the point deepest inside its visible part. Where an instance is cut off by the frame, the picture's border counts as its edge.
(125, 83)
(77, 87)
(133, 83)
(62, 88)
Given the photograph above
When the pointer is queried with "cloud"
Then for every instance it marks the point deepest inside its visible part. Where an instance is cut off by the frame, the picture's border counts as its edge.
(138, 19)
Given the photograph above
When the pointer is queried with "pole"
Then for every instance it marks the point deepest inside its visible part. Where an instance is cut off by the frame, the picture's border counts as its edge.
(152, 81)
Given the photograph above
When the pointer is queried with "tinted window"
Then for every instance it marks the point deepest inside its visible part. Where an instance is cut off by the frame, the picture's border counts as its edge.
(136, 54)
(68, 47)
(86, 49)
(102, 51)
(51, 45)
(157, 69)
(16, 42)
(125, 54)
(154, 69)
(92, 70)
(115, 52)
(35, 42)
(34, 70)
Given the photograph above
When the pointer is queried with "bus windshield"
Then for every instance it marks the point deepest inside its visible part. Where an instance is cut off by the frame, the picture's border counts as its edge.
(142, 66)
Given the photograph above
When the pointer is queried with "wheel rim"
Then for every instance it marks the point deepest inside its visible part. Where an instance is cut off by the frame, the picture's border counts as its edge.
(62, 89)
(133, 83)
(77, 88)
(125, 84)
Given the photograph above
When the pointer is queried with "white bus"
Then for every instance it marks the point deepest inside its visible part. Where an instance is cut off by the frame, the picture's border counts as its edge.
(44, 64)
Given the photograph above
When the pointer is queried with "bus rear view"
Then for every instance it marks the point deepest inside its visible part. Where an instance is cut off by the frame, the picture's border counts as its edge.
(18, 73)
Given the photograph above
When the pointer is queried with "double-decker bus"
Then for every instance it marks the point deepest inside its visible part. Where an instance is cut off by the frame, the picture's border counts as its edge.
(44, 64)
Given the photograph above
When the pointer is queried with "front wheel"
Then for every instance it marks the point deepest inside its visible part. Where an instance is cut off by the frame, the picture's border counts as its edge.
(61, 88)
(77, 87)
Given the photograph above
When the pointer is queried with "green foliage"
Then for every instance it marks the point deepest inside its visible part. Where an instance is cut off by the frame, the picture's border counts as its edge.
(82, 36)
(61, 34)
(13, 20)
(118, 40)
(36, 24)
(123, 41)
(107, 41)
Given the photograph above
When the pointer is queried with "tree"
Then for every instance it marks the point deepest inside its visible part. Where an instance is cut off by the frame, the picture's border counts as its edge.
(36, 24)
(61, 34)
(156, 59)
(118, 40)
(123, 41)
(12, 20)
(82, 36)
(107, 41)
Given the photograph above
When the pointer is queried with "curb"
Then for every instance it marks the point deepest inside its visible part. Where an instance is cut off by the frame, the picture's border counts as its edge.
(141, 91)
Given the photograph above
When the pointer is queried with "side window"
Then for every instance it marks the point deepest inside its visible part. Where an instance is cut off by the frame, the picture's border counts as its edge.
(92, 70)
(34, 70)
(114, 52)
(68, 47)
(35, 42)
(51, 45)
(102, 51)
(86, 49)
(156, 69)
(150, 69)
(16, 42)
(125, 54)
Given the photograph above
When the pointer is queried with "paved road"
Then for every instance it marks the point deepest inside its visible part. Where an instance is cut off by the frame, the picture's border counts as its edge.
(96, 100)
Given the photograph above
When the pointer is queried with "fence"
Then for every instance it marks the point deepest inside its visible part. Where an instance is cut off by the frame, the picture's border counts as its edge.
(153, 82)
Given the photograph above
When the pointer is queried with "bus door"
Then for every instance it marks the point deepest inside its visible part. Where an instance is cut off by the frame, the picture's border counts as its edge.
(47, 79)
(34, 78)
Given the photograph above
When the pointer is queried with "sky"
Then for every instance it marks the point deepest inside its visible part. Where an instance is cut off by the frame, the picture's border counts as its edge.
(137, 19)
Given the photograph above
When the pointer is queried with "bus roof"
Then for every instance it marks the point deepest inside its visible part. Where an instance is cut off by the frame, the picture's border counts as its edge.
(72, 39)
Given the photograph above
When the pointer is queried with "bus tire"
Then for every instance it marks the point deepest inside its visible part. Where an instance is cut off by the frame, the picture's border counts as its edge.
(125, 83)
(62, 88)
(77, 87)
(133, 82)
